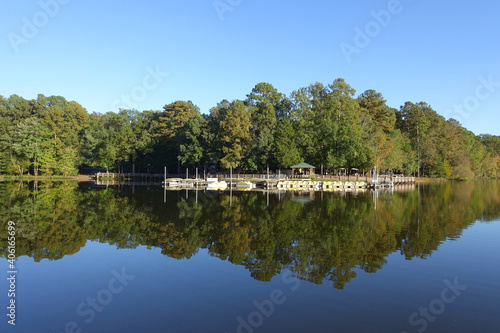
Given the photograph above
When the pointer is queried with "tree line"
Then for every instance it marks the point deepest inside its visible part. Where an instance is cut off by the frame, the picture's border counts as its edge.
(326, 126)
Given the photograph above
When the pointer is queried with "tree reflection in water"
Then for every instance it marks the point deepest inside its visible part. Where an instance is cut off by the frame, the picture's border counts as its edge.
(325, 238)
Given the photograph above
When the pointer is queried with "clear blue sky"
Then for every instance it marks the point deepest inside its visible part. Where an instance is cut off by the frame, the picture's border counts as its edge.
(94, 52)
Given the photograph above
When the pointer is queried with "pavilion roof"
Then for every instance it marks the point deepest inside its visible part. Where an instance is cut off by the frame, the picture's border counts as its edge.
(303, 166)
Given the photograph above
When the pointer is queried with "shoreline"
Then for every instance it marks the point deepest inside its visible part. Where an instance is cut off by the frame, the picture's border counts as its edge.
(88, 178)
(425, 180)
(30, 178)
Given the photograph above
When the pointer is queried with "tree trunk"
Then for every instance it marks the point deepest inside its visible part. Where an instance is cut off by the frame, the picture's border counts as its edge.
(178, 160)
(418, 148)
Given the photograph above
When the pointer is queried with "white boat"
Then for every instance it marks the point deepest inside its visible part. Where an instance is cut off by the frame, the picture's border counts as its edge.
(283, 184)
(222, 185)
(349, 185)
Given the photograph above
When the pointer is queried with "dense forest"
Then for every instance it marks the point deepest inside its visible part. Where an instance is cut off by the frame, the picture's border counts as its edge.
(325, 239)
(326, 126)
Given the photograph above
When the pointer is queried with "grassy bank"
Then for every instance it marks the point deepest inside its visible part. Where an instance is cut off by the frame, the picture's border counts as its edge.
(38, 178)
(431, 180)
(440, 180)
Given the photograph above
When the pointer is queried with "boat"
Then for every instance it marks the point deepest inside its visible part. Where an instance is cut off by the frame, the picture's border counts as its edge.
(328, 185)
(360, 185)
(338, 185)
(284, 184)
(172, 182)
(222, 185)
(245, 184)
(349, 185)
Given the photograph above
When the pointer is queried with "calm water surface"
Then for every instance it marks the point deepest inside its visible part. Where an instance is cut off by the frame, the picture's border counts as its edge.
(129, 259)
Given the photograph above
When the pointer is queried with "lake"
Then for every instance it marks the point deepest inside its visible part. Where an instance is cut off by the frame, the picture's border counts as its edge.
(138, 259)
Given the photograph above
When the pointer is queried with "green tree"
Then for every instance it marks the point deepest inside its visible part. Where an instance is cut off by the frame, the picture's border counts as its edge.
(27, 144)
(286, 152)
(375, 105)
(172, 121)
(191, 140)
(66, 122)
(231, 125)
(416, 124)
(175, 115)
(344, 110)
(103, 141)
(264, 102)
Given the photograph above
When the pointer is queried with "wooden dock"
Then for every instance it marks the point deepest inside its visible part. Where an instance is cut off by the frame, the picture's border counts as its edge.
(391, 182)
(323, 183)
(185, 183)
(151, 177)
(294, 185)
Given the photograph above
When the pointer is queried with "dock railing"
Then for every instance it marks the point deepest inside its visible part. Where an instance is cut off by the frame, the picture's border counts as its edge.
(151, 177)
